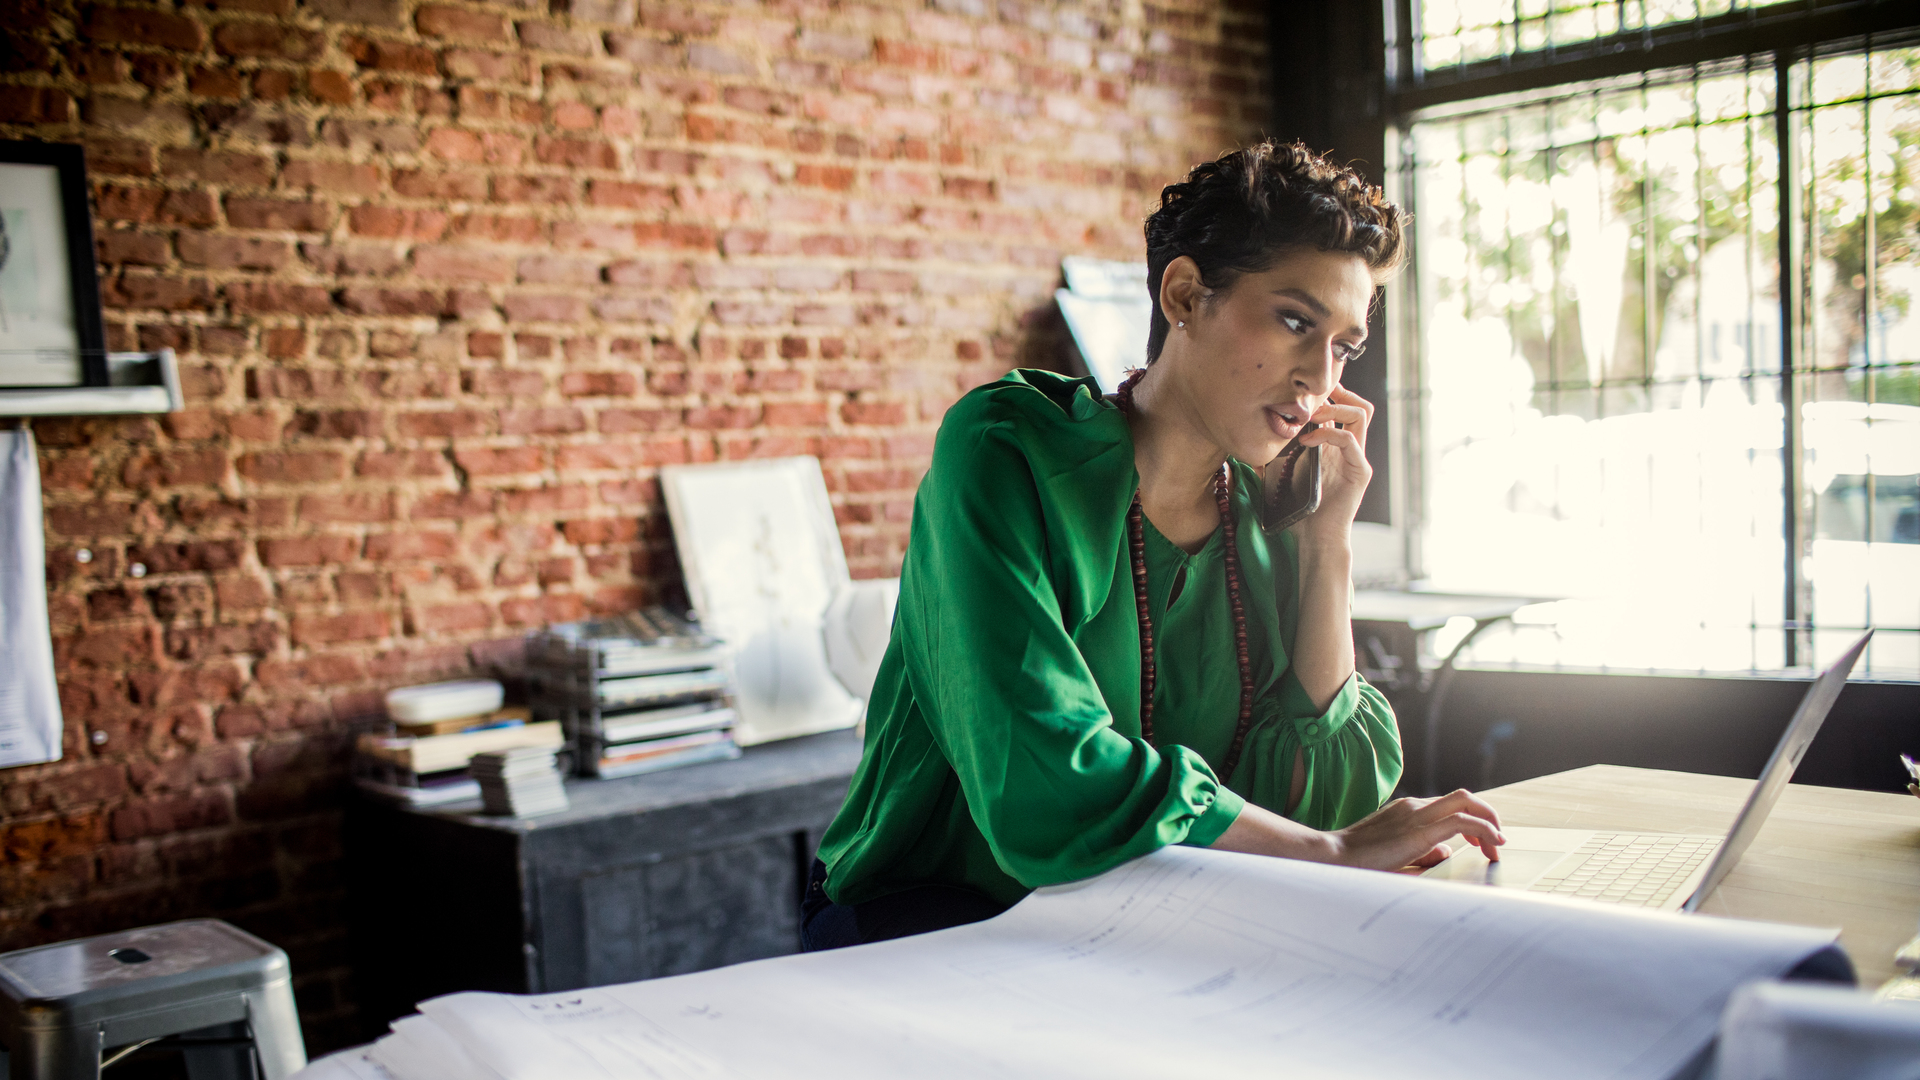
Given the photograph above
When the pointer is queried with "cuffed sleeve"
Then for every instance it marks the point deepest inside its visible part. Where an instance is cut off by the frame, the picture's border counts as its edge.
(1225, 810)
(1351, 750)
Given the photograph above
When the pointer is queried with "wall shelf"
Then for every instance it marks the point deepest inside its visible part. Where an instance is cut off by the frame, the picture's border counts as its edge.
(138, 382)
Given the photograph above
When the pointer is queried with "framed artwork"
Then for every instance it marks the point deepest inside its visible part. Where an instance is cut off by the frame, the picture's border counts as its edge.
(762, 559)
(50, 326)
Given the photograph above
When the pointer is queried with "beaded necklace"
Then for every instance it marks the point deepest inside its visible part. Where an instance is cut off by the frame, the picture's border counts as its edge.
(1136, 543)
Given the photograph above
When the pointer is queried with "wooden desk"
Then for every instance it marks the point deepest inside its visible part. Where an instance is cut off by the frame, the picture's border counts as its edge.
(1826, 857)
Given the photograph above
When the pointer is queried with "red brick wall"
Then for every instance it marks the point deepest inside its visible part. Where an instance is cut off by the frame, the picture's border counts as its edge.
(448, 281)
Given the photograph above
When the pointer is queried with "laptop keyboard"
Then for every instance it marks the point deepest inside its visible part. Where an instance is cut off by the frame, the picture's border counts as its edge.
(1637, 869)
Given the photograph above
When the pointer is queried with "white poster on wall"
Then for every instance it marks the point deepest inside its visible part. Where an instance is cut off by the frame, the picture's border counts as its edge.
(29, 700)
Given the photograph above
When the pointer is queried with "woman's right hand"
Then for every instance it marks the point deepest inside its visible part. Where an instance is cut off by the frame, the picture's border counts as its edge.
(1413, 832)
(1405, 832)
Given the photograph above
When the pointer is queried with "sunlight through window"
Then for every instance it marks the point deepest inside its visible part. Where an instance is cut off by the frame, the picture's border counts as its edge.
(1597, 282)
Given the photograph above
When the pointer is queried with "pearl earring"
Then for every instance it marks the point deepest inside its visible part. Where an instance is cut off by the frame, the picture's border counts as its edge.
(1183, 326)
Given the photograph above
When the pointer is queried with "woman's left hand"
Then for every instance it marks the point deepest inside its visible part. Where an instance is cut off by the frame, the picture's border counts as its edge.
(1344, 470)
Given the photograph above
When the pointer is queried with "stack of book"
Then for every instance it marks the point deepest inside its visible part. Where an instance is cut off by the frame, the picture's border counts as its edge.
(438, 729)
(519, 783)
(636, 693)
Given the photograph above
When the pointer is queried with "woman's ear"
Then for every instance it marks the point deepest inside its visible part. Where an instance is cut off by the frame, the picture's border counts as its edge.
(1181, 290)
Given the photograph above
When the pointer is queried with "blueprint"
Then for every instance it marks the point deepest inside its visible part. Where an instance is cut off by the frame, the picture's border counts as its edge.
(1185, 962)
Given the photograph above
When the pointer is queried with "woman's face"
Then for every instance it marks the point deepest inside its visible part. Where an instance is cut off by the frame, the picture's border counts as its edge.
(1257, 359)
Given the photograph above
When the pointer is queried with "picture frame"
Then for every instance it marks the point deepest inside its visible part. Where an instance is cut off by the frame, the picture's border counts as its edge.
(52, 334)
(760, 553)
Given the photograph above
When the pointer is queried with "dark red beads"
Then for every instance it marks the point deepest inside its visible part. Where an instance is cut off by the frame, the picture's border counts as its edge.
(1136, 540)
(1137, 548)
(1223, 494)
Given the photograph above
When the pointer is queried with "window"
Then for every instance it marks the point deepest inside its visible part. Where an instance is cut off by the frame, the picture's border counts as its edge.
(1612, 402)
(1456, 35)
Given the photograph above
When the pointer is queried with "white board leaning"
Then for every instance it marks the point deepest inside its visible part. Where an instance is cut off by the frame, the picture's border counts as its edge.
(762, 559)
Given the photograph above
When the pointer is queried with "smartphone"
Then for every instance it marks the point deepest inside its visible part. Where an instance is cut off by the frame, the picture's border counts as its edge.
(1290, 488)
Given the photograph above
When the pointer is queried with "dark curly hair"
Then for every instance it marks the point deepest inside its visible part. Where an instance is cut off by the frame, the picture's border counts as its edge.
(1241, 213)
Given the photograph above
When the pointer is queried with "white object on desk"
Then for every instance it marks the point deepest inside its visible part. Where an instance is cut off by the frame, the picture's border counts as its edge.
(761, 556)
(857, 627)
(434, 702)
(1801, 1031)
(1430, 610)
(29, 699)
(1184, 962)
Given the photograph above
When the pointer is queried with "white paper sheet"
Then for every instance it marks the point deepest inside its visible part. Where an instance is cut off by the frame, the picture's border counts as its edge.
(29, 699)
(354, 1064)
(418, 1049)
(1187, 963)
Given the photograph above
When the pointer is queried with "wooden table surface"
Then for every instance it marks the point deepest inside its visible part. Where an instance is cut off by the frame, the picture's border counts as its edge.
(1826, 857)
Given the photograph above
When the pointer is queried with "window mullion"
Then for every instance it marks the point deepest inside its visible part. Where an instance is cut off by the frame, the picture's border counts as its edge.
(1791, 327)
(1868, 315)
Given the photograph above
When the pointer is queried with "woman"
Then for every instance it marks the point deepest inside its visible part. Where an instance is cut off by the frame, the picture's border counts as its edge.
(1093, 631)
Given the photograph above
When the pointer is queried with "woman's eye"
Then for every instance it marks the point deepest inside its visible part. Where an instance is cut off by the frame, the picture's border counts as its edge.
(1299, 324)
(1347, 354)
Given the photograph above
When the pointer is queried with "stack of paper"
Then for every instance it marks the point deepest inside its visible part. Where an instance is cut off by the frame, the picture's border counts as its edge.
(638, 693)
(644, 642)
(431, 770)
(519, 783)
(1184, 963)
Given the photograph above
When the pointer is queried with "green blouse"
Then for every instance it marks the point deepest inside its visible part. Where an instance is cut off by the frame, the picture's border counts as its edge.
(1003, 746)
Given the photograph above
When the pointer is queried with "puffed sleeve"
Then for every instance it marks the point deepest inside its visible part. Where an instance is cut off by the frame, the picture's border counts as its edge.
(1352, 753)
(1056, 791)
(1351, 747)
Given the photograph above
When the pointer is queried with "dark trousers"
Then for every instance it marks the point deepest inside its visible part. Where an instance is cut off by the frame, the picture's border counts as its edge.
(919, 910)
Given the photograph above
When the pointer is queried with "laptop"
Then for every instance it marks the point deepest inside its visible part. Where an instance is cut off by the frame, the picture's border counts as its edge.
(1656, 870)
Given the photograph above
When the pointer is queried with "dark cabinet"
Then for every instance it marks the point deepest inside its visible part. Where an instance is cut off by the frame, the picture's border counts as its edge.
(651, 875)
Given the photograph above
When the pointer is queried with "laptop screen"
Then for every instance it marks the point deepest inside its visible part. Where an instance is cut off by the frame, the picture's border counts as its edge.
(1773, 779)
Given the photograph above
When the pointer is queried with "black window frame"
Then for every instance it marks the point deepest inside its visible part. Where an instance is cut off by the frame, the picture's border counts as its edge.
(1345, 77)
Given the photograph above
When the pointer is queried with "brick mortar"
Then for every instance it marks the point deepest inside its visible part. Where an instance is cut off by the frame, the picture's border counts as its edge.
(444, 305)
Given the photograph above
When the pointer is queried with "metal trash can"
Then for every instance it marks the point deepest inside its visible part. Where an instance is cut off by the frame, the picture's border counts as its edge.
(222, 995)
